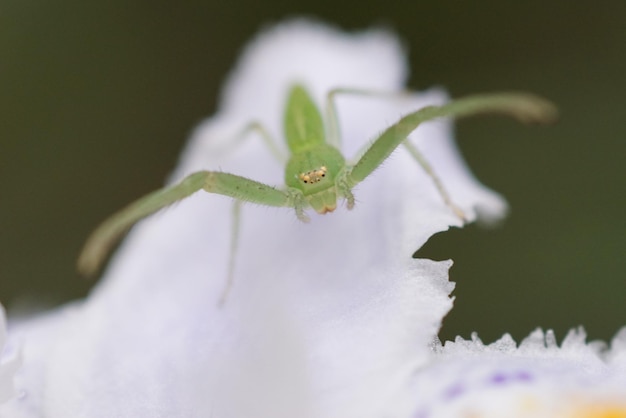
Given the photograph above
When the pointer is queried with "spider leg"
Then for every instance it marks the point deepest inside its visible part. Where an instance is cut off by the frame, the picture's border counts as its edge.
(522, 106)
(102, 240)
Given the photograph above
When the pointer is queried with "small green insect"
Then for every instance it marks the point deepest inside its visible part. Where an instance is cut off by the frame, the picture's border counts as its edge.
(316, 174)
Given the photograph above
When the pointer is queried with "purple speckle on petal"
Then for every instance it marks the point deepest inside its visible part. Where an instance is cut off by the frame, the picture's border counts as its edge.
(502, 378)
(499, 378)
(422, 414)
(524, 376)
(453, 391)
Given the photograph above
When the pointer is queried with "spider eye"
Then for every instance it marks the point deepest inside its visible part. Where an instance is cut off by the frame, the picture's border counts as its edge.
(313, 176)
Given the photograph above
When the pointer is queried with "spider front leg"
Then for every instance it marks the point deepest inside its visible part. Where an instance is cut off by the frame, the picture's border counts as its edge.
(102, 240)
(522, 106)
(342, 183)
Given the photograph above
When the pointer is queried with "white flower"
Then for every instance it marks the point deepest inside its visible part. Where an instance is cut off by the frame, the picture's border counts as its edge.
(9, 362)
(328, 319)
(536, 379)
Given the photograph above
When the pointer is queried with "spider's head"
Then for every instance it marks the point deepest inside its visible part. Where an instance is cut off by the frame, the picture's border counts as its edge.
(324, 197)
(313, 172)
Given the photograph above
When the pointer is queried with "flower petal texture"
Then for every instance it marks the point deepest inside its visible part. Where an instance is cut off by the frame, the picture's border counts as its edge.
(538, 378)
(326, 319)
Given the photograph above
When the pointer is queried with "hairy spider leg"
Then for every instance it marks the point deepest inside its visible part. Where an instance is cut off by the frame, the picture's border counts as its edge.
(525, 107)
(101, 241)
(234, 245)
(334, 136)
(258, 128)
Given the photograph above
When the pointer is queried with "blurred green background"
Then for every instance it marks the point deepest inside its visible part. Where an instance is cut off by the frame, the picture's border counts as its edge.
(97, 99)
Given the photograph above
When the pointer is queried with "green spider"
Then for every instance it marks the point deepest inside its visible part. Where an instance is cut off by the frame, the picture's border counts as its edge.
(316, 174)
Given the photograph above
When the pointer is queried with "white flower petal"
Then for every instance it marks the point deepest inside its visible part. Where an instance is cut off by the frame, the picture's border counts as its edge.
(9, 363)
(334, 313)
(616, 357)
(537, 379)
